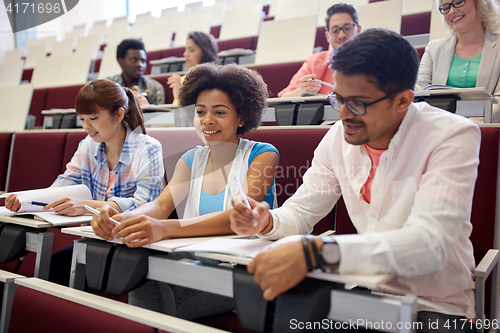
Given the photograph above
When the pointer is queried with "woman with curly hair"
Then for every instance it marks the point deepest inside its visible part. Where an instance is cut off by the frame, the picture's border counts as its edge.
(228, 101)
(469, 58)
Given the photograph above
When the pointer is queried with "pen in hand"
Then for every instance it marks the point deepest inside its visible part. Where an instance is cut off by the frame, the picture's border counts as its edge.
(37, 203)
(324, 83)
(245, 199)
(96, 212)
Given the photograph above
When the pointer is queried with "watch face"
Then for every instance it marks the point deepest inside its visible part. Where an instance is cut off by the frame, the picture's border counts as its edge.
(331, 254)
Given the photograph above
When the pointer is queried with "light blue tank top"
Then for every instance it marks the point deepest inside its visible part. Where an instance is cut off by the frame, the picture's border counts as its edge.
(215, 203)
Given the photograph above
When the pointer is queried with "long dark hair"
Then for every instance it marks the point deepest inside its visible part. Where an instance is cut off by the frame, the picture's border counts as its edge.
(207, 44)
(109, 95)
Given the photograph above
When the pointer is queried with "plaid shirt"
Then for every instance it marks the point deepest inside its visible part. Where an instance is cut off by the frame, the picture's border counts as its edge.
(139, 172)
(155, 90)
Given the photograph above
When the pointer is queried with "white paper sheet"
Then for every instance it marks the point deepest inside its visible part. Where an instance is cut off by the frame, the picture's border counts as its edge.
(48, 195)
(236, 247)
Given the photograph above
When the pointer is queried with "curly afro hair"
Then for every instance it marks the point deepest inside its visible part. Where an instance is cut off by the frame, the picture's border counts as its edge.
(244, 87)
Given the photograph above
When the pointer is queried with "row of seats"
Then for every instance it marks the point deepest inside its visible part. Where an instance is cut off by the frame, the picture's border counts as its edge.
(271, 35)
(31, 165)
(296, 145)
(276, 76)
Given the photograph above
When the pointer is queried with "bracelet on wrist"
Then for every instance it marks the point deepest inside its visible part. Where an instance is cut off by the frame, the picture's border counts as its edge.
(307, 253)
(317, 257)
(267, 225)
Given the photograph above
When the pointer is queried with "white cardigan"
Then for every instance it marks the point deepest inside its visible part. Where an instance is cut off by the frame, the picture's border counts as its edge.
(239, 168)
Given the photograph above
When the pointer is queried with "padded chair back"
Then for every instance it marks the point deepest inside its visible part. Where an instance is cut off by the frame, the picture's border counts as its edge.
(5, 141)
(296, 147)
(62, 97)
(36, 160)
(49, 314)
(38, 104)
(72, 141)
(277, 76)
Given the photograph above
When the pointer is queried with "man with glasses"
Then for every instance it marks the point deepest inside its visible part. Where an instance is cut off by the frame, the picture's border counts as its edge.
(406, 173)
(341, 24)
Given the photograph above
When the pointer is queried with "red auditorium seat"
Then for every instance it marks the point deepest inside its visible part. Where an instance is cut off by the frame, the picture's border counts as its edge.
(62, 97)
(416, 24)
(72, 141)
(277, 76)
(169, 97)
(215, 31)
(154, 55)
(27, 74)
(5, 141)
(36, 160)
(173, 52)
(248, 43)
(33, 311)
(38, 104)
(296, 147)
(321, 39)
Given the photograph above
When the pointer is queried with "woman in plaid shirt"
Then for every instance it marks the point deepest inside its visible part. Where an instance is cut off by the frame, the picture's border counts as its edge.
(121, 166)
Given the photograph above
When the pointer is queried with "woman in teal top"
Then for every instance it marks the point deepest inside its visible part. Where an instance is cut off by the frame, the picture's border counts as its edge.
(463, 72)
(470, 57)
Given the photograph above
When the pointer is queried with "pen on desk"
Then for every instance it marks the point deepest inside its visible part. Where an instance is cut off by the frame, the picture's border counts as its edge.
(245, 199)
(96, 212)
(324, 83)
(37, 203)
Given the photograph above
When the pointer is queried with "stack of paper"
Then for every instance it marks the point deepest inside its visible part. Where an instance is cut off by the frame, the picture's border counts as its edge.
(48, 195)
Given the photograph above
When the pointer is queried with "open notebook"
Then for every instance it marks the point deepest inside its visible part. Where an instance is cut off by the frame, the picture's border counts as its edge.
(48, 195)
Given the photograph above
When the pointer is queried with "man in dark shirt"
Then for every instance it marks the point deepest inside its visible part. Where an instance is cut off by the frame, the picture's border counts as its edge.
(132, 57)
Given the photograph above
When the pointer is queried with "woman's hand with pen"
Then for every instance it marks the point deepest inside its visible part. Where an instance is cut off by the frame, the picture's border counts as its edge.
(12, 203)
(102, 225)
(140, 230)
(67, 206)
(241, 216)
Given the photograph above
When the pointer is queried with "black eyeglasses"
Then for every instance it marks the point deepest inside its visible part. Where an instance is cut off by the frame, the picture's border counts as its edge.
(347, 28)
(355, 106)
(445, 7)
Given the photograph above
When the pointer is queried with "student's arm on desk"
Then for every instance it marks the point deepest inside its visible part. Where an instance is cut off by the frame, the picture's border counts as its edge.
(70, 206)
(147, 224)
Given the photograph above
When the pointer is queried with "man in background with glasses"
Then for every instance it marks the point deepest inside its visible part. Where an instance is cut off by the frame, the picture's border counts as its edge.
(406, 173)
(341, 24)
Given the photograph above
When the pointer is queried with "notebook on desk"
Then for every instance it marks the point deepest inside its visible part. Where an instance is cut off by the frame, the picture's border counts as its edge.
(31, 218)
(31, 211)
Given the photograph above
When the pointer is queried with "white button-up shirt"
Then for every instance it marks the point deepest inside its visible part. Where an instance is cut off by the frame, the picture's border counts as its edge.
(417, 225)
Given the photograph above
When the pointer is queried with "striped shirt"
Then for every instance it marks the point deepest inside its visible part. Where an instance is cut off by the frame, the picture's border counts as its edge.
(139, 173)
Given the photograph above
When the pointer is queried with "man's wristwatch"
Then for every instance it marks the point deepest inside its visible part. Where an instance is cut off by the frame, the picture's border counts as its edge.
(330, 254)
